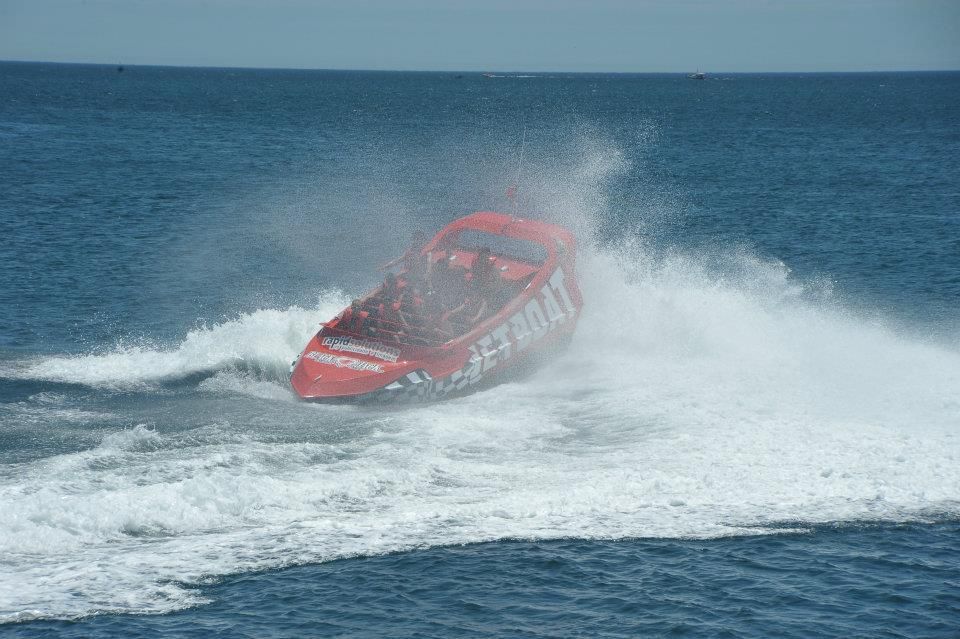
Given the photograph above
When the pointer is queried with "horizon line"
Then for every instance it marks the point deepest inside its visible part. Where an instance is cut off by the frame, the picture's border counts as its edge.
(463, 71)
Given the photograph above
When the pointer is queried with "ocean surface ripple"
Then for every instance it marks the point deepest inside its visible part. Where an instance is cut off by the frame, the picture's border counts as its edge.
(753, 433)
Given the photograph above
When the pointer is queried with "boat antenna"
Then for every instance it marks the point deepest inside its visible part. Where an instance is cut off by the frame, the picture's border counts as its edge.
(512, 191)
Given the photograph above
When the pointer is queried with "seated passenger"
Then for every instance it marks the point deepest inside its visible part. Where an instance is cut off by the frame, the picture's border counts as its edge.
(410, 307)
(447, 285)
(389, 319)
(463, 318)
(482, 266)
(392, 288)
(417, 318)
(352, 319)
(415, 266)
(482, 263)
(485, 281)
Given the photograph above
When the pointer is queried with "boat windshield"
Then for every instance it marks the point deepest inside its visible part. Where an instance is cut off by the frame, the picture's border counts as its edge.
(526, 251)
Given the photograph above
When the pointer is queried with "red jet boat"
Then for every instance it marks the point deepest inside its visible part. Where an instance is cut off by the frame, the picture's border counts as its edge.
(487, 294)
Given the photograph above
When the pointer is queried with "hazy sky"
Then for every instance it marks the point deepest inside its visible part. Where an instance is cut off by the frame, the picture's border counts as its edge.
(533, 35)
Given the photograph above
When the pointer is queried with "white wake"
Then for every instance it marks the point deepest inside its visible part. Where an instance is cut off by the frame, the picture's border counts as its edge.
(691, 404)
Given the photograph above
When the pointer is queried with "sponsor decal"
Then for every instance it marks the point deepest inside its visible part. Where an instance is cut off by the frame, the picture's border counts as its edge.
(342, 361)
(540, 316)
(362, 347)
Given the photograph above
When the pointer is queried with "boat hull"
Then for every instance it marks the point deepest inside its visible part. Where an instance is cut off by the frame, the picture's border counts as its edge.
(337, 366)
(414, 383)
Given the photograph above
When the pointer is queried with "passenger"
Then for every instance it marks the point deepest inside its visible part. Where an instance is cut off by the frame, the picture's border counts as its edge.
(418, 269)
(485, 277)
(417, 242)
(392, 288)
(415, 265)
(353, 318)
(481, 267)
(446, 288)
(389, 318)
(410, 307)
(481, 263)
(412, 301)
(463, 318)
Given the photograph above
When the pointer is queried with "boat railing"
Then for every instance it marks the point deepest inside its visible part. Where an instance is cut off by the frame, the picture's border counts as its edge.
(418, 330)
(414, 328)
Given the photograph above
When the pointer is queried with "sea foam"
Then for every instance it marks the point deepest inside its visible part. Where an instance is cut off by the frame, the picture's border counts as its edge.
(259, 341)
(702, 396)
(694, 402)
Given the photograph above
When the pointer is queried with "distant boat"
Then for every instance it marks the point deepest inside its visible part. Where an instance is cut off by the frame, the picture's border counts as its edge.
(699, 75)
(489, 75)
(120, 69)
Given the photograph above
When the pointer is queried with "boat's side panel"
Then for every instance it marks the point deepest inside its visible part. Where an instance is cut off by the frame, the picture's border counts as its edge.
(419, 386)
(540, 322)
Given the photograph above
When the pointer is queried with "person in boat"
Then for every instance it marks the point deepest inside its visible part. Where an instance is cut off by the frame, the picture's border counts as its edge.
(415, 265)
(392, 289)
(419, 271)
(410, 307)
(482, 267)
(419, 320)
(445, 288)
(390, 302)
(417, 242)
(485, 281)
(389, 319)
(353, 319)
(463, 318)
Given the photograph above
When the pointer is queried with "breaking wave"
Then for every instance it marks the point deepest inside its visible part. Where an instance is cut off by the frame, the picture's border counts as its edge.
(261, 342)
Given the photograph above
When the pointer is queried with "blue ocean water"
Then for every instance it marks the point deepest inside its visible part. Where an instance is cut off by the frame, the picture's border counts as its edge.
(754, 433)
